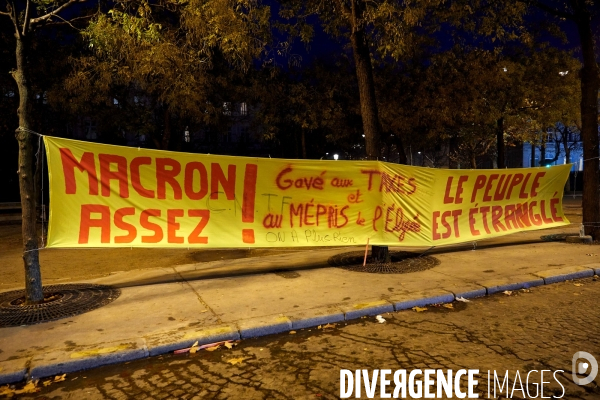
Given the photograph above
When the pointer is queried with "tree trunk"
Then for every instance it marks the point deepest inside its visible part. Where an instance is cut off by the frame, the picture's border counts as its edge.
(31, 261)
(473, 161)
(590, 83)
(532, 155)
(402, 159)
(366, 85)
(501, 147)
(380, 254)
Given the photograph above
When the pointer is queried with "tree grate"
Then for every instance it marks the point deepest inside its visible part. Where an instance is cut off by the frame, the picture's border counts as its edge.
(61, 301)
(403, 262)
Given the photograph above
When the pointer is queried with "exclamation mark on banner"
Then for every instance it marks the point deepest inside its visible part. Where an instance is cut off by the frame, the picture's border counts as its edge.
(248, 201)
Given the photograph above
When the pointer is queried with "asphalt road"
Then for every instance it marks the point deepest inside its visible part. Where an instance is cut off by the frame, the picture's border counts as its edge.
(536, 330)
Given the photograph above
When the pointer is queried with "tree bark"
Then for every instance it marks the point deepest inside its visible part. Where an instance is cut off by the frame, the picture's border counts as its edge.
(402, 159)
(366, 85)
(31, 262)
(590, 83)
(501, 147)
(380, 254)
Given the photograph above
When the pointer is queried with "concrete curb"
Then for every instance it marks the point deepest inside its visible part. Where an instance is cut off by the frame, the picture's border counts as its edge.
(367, 309)
(419, 301)
(514, 286)
(167, 342)
(317, 316)
(263, 326)
(472, 293)
(64, 360)
(578, 273)
(13, 371)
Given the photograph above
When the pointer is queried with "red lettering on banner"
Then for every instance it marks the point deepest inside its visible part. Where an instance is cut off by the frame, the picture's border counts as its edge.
(488, 187)
(522, 194)
(509, 217)
(447, 198)
(146, 224)
(534, 218)
(119, 223)
(173, 226)
(87, 222)
(106, 174)
(167, 170)
(457, 199)
(69, 163)
(484, 212)
(554, 211)
(472, 221)
(313, 182)
(377, 216)
(500, 188)
(496, 215)
(522, 215)
(479, 184)
(189, 180)
(195, 235)
(443, 219)
(135, 165)
(249, 192)
(536, 183)
(218, 177)
(543, 212)
(517, 179)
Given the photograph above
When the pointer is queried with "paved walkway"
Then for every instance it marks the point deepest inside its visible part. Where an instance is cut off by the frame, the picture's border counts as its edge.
(164, 309)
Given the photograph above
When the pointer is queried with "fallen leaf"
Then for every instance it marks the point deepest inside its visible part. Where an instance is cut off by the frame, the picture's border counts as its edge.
(213, 348)
(462, 299)
(234, 361)
(448, 305)
(578, 284)
(47, 383)
(507, 292)
(420, 309)
(380, 319)
(60, 378)
(230, 345)
(319, 327)
(292, 332)
(31, 387)
(329, 326)
(194, 348)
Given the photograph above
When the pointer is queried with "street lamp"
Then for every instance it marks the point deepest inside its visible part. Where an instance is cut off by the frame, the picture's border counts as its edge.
(335, 157)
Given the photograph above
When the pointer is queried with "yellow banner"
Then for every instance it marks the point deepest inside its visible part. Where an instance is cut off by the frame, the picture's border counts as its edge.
(113, 196)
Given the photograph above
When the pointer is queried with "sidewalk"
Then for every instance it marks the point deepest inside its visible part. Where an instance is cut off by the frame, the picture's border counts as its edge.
(164, 309)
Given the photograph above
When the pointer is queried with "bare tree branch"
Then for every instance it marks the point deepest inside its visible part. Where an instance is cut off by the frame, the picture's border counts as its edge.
(43, 18)
(12, 12)
(26, 20)
(70, 22)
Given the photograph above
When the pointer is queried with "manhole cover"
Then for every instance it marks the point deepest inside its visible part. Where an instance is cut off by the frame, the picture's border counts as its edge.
(61, 301)
(403, 262)
(557, 237)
